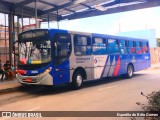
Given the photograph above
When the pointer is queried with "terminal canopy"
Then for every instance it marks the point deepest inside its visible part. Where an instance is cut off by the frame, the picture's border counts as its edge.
(72, 9)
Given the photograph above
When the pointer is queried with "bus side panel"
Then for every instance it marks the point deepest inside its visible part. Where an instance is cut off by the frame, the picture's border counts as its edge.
(142, 62)
(112, 66)
(147, 60)
(115, 65)
(124, 62)
(60, 73)
(99, 63)
(139, 61)
(84, 62)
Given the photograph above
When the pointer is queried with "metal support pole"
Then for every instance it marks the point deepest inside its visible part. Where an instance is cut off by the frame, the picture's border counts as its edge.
(11, 27)
(5, 35)
(36, 14)
(18, 26)
(22, 19)
(48, 21)
(57, 20)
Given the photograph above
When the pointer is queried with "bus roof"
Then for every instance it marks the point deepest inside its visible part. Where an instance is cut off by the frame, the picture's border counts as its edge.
(118, 37)
(103, 35)
(94, 34)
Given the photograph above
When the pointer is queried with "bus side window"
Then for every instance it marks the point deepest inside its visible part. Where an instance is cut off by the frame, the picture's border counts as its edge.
(117, 50)
(99, 46)
(82, 45)
(113, 46)
(144, 47)
(131, 48)
(122, 46)
(138, 48)
(62, 47)
(109, 46)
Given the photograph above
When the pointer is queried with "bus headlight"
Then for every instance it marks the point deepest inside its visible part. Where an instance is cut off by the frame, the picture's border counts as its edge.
(45, 72)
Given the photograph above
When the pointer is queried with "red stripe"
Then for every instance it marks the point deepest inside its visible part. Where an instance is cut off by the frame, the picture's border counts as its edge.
(117, 67)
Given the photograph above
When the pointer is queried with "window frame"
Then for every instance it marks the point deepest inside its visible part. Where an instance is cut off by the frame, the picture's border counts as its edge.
(104, 40)
(138, 47)
(89, 44)
(60, 59)
(125, 46)
(147, 46)
(116, 42)
(130, 48)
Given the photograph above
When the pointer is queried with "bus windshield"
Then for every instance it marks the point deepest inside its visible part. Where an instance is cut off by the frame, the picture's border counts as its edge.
(34, 49)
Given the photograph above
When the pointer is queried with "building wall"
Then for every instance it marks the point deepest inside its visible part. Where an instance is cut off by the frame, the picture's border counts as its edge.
(4, 44)
(155, 55)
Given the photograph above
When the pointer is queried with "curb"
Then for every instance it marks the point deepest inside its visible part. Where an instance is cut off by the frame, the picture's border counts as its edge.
(153, 68)
(9, 86)
(9, 90)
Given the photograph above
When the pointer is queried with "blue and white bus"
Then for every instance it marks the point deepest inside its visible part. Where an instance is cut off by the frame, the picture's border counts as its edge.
(54, 56)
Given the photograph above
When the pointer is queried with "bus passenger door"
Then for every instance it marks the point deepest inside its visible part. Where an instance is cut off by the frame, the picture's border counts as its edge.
(61, 53)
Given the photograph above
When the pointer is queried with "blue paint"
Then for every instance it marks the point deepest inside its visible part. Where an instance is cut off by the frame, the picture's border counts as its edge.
(60, 73)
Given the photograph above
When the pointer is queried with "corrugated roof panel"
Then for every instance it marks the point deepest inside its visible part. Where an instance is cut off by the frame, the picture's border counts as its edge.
(63, 12)
(40, 6)
(76, 7)
(14, 1)
(57, 2)
(97, 2)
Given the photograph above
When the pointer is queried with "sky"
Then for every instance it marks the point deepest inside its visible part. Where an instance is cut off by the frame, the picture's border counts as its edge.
(114, 23)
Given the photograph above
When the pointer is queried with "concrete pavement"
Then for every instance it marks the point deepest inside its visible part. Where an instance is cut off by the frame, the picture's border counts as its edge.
(12, 85)
(9, 86)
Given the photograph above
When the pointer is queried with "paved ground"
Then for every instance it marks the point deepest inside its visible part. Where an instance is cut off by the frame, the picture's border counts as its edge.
(8, 86)
(116, 94)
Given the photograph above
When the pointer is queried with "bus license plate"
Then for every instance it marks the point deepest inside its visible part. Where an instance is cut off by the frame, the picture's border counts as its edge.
(28, 80)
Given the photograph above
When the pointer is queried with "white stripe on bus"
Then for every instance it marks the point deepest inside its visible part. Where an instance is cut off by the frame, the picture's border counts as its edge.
(107, 67)
(112, 68)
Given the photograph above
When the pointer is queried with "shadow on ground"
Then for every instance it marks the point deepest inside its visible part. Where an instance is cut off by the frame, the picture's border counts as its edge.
(45, 90)
(31, 92)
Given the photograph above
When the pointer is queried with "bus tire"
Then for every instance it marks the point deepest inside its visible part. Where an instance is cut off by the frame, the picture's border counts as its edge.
(77, 80)
(130, 71)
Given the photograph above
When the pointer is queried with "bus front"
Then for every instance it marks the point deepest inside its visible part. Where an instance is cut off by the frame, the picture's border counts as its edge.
(34, 59)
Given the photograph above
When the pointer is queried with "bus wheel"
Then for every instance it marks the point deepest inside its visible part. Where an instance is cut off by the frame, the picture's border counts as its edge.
(130, 71)
(77, 80)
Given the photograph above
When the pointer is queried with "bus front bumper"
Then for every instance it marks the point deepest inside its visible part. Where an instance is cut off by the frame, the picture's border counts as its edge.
(36, 80)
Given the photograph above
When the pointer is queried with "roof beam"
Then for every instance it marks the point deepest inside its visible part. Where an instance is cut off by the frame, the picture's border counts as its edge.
(127, 1)
(86, 5)
(150, 3)
(24, 3)
(112, 3)
(51, 4)
(5, 6)
(57, 8)
(47, 3)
